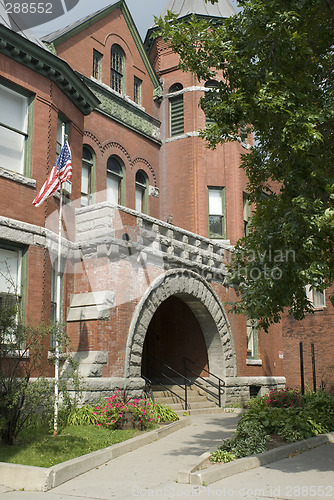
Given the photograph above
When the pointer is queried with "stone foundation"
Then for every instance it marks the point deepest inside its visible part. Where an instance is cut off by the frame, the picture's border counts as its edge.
(237, 390)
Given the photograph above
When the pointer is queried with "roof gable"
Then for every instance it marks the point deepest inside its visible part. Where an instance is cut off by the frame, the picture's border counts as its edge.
(64, 34)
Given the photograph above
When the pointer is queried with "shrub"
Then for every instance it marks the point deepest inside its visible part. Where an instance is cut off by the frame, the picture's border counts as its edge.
(84, 415)
(284, 398)
(118, 408)
(164, 413)
(22, 401)
(293, 417)
(221, 455)
(250, 438)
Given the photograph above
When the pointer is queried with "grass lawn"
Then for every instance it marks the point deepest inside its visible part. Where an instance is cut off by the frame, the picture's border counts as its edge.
(40, 448)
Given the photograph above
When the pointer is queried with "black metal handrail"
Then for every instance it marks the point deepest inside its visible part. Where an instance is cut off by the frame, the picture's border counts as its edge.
(184, 387)
(206, 380)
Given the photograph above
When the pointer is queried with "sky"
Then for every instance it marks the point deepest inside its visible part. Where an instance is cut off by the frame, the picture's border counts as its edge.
(142, 11)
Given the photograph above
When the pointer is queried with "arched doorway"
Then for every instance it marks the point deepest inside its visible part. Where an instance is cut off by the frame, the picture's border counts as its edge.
(174, 335)
(198, 295)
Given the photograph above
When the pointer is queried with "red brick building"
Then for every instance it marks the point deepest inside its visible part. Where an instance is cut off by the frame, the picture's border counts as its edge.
(152, 216)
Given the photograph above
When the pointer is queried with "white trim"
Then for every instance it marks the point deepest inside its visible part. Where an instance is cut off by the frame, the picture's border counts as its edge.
(181, 136)
(254, 362)
(17, 177)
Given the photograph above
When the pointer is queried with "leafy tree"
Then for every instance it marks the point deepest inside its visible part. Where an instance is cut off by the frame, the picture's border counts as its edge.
(21, 357)
(274, 62)
(26, 397)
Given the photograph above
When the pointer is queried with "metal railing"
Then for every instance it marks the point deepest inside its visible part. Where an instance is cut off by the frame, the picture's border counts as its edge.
(162, 378)
(217, 385)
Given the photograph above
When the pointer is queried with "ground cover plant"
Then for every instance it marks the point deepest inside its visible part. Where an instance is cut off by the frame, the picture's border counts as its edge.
(85, 429)
(284, 415)
(38, 447)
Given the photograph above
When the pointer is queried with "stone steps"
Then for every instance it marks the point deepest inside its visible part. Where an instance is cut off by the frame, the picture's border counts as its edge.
(198, 401)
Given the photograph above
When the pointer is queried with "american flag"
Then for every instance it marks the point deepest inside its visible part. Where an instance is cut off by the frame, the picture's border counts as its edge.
(61, 172)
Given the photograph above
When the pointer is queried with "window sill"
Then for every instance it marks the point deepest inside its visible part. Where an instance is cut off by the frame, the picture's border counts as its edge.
(254, 362)
(16, 354)
(16, 177)
(52, 355)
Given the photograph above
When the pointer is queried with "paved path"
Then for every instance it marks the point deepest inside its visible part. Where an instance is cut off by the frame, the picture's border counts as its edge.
(151, 472)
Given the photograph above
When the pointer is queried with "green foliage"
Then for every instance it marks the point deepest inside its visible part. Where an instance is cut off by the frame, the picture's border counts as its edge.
(284, 398)
(83, 415)
(313, 415)
(163, 413)
(250, 438)
(273, 61)
(221, 456)
(38, 447)
(21, 355)
(119, 408)
(25, 400)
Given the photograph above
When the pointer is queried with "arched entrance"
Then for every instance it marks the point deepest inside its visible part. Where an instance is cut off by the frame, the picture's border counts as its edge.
(174, 336)
(197, 294)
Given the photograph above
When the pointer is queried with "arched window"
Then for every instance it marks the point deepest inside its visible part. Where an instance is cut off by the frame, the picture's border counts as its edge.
(87, 176)
(117, 69)
(176, 111)
(141, 192)
(115, 180)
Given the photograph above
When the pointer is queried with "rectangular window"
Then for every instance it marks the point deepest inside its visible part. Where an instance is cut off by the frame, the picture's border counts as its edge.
(139, 199)
(117, 68)
(246, 212)
(137, 90)
(62, 129)
(10, 280)
(217, 226)
(10, 270)
(252, 339)
(97, 65)
(13, 129)
(113, 189)
(176, 115)
(316, 297)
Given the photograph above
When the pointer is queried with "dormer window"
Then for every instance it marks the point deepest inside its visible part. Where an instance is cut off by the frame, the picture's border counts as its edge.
(117, 69)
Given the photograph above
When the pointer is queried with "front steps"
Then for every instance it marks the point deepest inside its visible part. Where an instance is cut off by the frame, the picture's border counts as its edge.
(197, 399)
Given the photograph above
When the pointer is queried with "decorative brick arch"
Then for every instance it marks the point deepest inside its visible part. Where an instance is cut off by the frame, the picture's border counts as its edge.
(115, 145)
(148, 166)
(93, 137)
(205, 305)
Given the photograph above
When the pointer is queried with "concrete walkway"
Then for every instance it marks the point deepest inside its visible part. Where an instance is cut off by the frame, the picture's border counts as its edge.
(152, 471)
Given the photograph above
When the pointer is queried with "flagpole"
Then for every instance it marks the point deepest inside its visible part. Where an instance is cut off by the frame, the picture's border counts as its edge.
(58, 314)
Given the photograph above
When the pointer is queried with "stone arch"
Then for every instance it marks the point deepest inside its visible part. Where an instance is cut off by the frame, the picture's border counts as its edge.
(207, 308)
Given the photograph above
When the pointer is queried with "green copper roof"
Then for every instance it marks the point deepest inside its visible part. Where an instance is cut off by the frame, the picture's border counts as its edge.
(182, 8)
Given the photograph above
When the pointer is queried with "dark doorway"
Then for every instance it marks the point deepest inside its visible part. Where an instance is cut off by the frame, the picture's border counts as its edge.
(174, 334)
